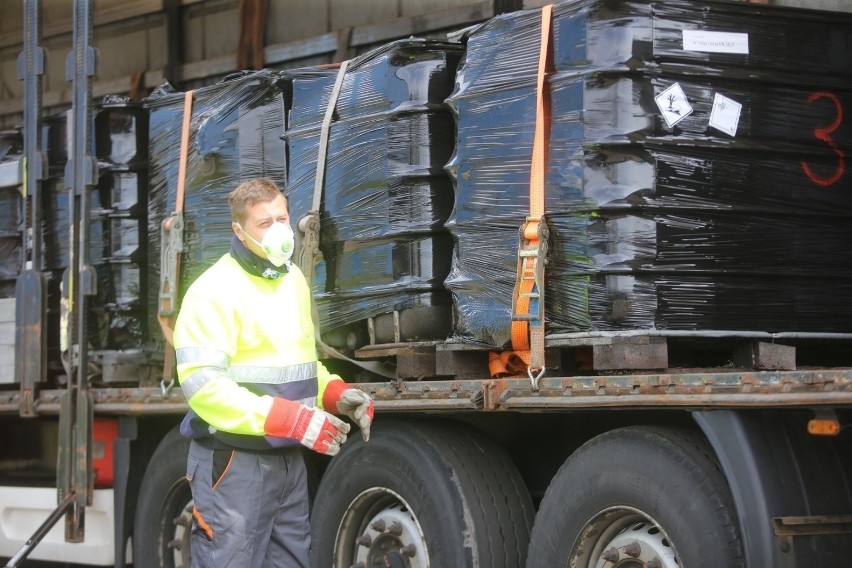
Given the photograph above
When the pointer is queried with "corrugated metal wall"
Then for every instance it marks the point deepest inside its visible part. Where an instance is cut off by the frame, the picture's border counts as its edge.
(133, 37)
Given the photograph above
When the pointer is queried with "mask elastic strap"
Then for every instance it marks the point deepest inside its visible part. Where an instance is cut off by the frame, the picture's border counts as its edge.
(252, 239)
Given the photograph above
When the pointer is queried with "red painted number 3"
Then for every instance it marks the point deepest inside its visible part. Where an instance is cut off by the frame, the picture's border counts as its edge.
(824, 134)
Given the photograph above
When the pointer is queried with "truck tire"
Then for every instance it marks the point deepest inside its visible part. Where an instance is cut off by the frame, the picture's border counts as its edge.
(161, 526)
(635, 494)
(419, 495)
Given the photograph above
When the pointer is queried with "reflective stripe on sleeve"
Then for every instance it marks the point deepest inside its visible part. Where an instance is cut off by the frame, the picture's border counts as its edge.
(274, 375)
(193, 383)
(202, 356)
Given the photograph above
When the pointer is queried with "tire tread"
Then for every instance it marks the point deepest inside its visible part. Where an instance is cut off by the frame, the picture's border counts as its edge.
(687, 452)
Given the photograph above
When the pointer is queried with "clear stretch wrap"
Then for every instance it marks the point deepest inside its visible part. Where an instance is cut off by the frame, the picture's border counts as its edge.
(696, 173)
(235, 135)
(121, 147)
(386, 194)
(11, 148)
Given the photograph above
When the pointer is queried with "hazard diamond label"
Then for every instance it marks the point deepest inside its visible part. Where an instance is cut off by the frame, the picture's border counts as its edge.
(673, 105)
(725, 115)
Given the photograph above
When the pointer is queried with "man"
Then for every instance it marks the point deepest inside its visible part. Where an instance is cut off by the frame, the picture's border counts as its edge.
(247, 364)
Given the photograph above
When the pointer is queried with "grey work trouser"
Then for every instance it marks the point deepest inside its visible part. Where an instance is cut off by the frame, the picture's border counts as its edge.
(251, 508)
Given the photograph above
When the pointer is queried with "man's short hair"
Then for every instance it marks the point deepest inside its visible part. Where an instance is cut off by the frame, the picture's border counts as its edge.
(259, 190)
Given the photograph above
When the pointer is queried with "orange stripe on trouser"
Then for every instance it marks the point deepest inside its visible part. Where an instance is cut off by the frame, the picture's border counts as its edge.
(196, 514)
(202, 523)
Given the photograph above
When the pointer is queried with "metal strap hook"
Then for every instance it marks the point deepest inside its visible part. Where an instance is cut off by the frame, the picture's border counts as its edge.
(535, 377)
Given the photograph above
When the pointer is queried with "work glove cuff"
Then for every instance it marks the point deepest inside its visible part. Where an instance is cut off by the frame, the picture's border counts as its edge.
(332, 393)
(311, 427)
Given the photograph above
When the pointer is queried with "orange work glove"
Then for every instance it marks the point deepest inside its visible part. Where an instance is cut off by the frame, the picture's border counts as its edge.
(351, 402)
(312, 427)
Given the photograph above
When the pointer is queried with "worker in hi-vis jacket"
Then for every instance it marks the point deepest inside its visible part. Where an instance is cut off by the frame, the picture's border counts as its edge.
(247, 364)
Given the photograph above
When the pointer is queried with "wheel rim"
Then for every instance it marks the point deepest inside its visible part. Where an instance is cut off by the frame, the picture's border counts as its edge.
(176, 522)
(380, 529)
(623, 537)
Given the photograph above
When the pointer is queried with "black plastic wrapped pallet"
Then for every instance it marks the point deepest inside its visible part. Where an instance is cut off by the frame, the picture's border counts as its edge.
(386, 195)
(56, 204)
(11, 144)
(56, 214)
(121, 134)
(56, 237)
(121, 145)
(659, 221)
(11, 148)
(10, 213)
(235, 135)
(55, 229)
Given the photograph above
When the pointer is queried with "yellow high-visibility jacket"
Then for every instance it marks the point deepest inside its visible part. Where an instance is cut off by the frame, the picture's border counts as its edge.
(241, 340)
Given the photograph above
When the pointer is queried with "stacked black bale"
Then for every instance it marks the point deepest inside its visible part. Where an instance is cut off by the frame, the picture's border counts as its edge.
(56, 204)
(235, 135)
(117, 228)
(56, 229)
(57, 236)
(730, 214)
(386, 196)
(121, 147)
(11, 150)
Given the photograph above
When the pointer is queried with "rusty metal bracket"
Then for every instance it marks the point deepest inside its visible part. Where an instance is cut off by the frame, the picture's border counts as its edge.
(492, 393)
(812, 525)
(31, 287)
(171, 237)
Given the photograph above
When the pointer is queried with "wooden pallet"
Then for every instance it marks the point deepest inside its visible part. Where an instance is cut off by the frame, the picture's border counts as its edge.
(574, 356)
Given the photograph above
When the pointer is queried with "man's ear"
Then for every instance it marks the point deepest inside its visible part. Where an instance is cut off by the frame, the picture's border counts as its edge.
(238, 231)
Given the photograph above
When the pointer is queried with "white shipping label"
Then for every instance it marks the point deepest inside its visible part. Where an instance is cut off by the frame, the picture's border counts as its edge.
(725, 115)
(673, 105)
(715, 42)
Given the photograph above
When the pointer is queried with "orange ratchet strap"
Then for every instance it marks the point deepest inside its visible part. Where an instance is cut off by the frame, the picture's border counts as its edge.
(528, 295)
(171, 244)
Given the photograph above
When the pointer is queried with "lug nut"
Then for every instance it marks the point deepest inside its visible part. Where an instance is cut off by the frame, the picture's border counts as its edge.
(378, 526)
(176, 544)
(184, 521)
(395, 528)
(409, 550)
(611, 555)
(365, 540)
(633, 549)
(654, 563)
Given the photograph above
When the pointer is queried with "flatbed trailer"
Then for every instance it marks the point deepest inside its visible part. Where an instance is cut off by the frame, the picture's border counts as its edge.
(691, 389)
(785, 517)
(665, 467)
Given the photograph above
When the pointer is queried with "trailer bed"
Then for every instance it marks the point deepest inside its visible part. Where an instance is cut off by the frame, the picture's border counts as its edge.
(688, 389)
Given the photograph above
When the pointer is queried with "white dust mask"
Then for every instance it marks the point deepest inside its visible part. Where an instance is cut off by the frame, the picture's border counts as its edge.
(277, 243)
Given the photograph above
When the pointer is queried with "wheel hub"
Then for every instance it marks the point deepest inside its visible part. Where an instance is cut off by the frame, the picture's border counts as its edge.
(395, 560)
(623, 537)
(180, 544)
(391, 539)
(640, 545)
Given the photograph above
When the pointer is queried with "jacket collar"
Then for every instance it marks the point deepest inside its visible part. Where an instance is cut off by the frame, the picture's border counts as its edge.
(254, 264)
